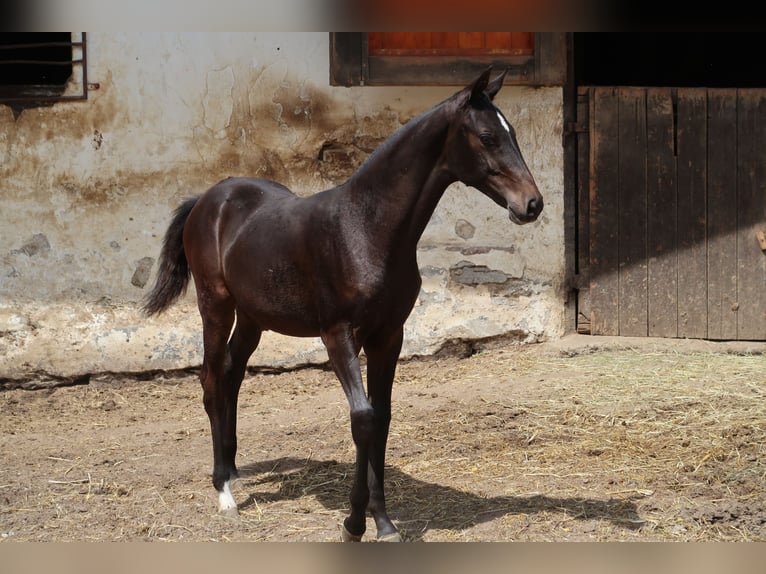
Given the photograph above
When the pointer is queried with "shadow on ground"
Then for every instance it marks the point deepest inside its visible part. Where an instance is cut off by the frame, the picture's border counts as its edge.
(415, 505)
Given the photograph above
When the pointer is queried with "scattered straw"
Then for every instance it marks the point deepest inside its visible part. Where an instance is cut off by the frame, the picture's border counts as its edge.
(519, 443)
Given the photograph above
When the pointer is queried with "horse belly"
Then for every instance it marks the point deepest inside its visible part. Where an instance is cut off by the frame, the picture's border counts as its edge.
(270, 289)
(273, 295)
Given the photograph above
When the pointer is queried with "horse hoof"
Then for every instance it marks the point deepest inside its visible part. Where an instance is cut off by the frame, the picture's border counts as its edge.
(346, 536)
(391, 537)
(232, 513)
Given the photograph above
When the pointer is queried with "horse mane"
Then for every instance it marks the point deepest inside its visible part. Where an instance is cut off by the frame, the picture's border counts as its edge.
(396, 138)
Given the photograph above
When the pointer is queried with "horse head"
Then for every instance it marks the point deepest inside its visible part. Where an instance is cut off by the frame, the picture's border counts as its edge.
(482, 151)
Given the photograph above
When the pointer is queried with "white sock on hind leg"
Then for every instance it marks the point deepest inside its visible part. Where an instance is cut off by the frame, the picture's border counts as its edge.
(226, 499)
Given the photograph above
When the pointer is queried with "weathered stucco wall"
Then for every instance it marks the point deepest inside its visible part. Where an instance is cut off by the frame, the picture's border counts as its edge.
(88, 187)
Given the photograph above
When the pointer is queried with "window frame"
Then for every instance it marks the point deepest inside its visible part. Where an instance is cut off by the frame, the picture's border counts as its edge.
(351, 65)
(74, 88)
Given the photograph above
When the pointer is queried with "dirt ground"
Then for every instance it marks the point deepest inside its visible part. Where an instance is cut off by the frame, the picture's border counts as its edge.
(586, 439)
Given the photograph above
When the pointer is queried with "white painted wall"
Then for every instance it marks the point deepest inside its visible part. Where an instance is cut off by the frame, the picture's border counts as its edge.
(88, 187)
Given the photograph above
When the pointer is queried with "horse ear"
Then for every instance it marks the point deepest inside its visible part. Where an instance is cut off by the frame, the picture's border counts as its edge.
(480, 85)
(494, 86)
(473, 92)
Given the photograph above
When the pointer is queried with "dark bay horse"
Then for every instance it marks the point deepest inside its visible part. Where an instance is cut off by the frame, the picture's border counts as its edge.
(340, 264)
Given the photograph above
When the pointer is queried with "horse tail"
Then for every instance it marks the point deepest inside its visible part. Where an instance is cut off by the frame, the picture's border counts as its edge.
(173, 272)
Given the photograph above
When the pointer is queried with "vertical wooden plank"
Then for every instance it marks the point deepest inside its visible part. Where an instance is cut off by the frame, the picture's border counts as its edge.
(722, 214)
(691, 136)
(604, 132)
(421, 39)
(751, 214)
(498, 40)
(388, 40)
(444, 40)
(396, 40)
(471, 39)
(374, 42)
(582, 241)
(524, 41)
(632, 213)
(550, 49)
(346, 58)
(408, 40)
(662, 258)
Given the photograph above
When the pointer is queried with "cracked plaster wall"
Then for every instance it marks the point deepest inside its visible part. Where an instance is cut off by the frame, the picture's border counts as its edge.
(88, 188)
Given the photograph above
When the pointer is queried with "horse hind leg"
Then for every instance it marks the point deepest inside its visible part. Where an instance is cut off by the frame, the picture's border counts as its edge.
(223, 368)
(217, 320)
(243, 343)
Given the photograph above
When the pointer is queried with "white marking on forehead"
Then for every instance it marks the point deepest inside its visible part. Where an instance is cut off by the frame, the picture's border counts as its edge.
(502, 121)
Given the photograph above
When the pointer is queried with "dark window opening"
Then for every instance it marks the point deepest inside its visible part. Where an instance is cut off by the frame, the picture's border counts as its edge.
(41, 67)
(679, 59)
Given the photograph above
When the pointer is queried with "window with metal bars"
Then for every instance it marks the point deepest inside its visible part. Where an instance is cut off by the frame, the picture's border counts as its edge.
(37, 68)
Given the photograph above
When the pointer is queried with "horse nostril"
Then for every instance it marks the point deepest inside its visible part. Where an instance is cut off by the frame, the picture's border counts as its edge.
(534, 207)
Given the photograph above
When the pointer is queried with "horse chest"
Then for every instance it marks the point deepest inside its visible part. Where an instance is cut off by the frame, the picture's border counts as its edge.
(386, 298)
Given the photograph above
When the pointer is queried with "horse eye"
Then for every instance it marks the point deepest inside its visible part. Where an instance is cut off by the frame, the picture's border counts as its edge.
(487, 140)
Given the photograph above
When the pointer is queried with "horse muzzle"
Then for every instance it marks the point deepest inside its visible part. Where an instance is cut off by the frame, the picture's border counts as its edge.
(530, 213)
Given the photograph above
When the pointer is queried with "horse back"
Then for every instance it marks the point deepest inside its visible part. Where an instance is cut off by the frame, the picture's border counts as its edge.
(220, 214)
(224, 209)
(238, 197)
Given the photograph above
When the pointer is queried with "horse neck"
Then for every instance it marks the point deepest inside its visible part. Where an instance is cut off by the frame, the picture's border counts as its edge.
(399, 186)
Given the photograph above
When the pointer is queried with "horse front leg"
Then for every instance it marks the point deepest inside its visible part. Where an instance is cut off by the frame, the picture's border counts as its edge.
(344, 356)
(382, 356)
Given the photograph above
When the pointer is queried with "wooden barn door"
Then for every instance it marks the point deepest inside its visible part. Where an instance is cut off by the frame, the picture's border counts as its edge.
(672, 212)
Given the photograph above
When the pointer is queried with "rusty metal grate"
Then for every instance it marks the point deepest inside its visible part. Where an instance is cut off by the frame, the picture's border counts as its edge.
(40, 68)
